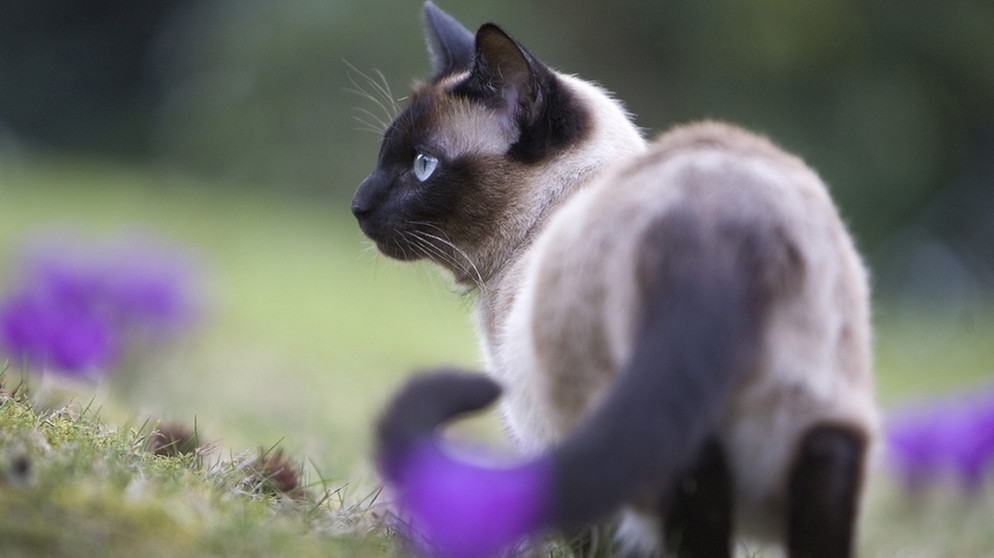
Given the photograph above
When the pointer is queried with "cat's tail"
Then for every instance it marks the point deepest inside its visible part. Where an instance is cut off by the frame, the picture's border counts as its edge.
(454, 508)
(421, 406)
(706, 292)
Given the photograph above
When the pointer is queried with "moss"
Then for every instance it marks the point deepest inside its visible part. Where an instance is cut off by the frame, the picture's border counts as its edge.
(71, 486)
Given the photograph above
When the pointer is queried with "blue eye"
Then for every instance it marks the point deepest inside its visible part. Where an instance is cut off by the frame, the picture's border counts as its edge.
(424, 166)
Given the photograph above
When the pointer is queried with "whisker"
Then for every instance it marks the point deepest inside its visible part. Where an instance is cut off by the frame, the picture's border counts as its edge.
(384, 88)
(360, 114)
(369, 249)
(434, 252)
(380, 95)
(366, 126)
(368, 117)
(429, 250)
(394, 241)
(445, 241)
(370, 97)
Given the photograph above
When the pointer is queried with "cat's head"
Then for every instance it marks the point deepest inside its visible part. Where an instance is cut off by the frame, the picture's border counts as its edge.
(454, 169)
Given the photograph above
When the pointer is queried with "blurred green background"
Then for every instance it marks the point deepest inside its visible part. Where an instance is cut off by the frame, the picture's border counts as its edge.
(228, 125)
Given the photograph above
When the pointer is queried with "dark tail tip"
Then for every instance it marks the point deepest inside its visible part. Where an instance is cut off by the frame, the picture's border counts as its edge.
(423, 404)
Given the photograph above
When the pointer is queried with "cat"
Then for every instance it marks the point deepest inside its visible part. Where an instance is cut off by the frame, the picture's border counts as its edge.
(677, 330)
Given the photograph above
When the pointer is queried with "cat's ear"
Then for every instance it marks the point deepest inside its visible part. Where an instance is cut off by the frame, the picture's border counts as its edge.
(450, 45)
(507, 76)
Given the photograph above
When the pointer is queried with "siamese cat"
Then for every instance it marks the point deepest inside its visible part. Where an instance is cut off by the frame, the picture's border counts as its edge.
(677, 330)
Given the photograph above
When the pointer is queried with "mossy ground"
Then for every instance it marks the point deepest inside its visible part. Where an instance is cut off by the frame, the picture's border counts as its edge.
(70, 485)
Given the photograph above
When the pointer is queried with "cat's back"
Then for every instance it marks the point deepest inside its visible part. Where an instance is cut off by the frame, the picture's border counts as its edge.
(713, 173)
(585, 289)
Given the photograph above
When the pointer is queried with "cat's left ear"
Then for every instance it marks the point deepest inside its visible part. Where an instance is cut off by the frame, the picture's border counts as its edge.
(507, 77)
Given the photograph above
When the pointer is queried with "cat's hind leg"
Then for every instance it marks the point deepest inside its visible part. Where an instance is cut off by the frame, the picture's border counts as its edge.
(698, 509)
(824, 489)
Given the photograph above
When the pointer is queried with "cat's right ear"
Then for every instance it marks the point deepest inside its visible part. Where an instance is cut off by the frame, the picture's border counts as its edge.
(450, 45)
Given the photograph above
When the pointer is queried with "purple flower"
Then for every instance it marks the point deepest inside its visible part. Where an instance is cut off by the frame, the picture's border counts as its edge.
(76, 307)
(465, 510)
(951, 436)
(67, 338)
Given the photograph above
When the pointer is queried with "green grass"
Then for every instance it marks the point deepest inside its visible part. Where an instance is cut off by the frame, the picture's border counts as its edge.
(71, 486)
(305, 333)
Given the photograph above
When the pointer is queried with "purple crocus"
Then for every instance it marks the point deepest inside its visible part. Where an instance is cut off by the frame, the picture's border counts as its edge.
(66, 337)
(76, 307)
(463, 510)
(951, 436)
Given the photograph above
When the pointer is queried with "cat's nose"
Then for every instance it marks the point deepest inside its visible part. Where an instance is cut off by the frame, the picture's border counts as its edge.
(362, 201)
(359, 209)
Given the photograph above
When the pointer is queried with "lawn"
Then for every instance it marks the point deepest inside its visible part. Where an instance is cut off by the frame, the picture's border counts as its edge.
(303, 332)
